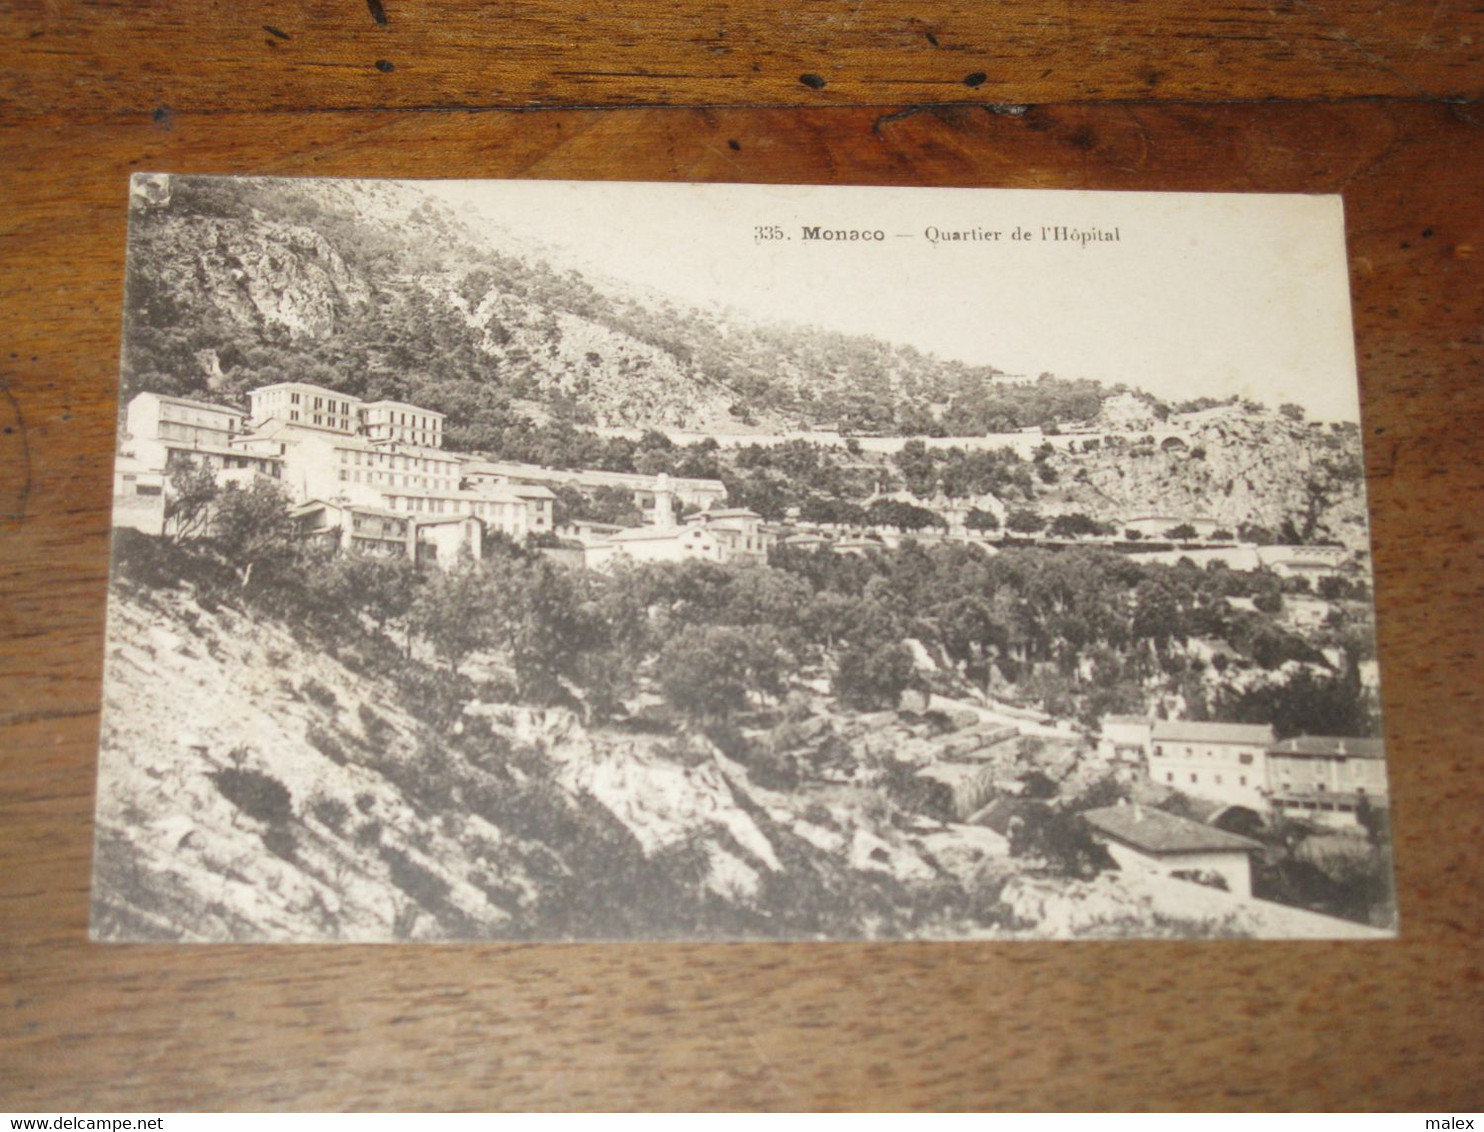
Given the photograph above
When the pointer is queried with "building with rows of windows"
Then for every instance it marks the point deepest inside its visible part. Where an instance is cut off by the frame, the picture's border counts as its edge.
(347, 464)
(1326, 779)
(1226, 762)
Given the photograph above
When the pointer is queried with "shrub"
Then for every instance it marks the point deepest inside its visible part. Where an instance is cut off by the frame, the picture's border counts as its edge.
(256, 794)
(280, 842)
(420, 883)
(377, 729)
(869, 675)
(368, 835)
(330, 812)
(318, 693)
(1060, 840)
(326, 744)
(1269, 601)
(1205, 877)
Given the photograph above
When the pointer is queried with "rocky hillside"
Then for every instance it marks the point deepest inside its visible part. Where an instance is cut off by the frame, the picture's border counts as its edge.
(255, 788)
(1236, 464)
(381, 288)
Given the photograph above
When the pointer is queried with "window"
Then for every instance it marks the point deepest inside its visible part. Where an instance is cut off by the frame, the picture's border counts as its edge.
(1169, 776)
(1218, 780)
(1243, 780)
(1245, 760)
(147, 489)
(1194, 778)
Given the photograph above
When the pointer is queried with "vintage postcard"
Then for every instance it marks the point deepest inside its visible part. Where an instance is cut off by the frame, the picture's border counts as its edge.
(583, 561)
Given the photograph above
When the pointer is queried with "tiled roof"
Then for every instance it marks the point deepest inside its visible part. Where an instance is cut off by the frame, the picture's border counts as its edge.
(194, 404)
(1154, 831)
(725, 513)
(645, 534)
(398, 405)
(1331, 746)
(1188, 731)
(1126, 719)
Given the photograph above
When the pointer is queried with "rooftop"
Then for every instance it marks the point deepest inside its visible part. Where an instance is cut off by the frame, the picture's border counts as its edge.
(723, 513)
(638, 480)
(302, 385)
(1154, 831)
(643, 534)
(193, 404)
(402, 405)
(1189, 731)
(1331, 746)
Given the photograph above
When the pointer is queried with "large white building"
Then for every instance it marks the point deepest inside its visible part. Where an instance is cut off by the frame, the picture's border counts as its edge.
(324, 446)
(645, 489)
(400, 423)
(1224, 762)
(1327, 778)
(1142, 839)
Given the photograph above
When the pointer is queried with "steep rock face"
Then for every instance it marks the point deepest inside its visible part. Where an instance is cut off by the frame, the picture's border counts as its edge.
(1234, 467)
(617, 379)
(195, 699)
(263, 276)
(253, 788)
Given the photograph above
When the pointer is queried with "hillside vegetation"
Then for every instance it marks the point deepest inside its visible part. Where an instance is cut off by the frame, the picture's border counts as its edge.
(381, 290)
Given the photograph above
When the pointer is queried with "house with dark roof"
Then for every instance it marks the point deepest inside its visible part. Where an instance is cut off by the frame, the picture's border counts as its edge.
(1327, 778)
(1225, 762)
(1139, 838)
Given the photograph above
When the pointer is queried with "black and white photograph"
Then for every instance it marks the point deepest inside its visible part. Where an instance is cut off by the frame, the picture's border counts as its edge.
(534, 560)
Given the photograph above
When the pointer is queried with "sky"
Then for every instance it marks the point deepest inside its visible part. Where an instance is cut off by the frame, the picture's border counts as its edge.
(1200, 294)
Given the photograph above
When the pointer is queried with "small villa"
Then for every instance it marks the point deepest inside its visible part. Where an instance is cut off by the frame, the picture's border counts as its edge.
(1143, 839)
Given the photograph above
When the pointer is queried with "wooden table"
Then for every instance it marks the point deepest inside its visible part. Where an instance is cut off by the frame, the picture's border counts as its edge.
(1380, 103)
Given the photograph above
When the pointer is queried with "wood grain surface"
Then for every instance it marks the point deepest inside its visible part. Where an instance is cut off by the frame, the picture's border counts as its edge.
(1376, 103)
(212, 55)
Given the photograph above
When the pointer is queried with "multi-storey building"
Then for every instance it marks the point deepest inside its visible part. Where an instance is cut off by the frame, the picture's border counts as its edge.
(516, 511)
(397, 422)
(1224, 762)
(362, 470)
(740, 533)
(156, 421)
(164, 432)
(310, 406)
(654, 544)
(1327, 778)
(644, 488)
(366, 530)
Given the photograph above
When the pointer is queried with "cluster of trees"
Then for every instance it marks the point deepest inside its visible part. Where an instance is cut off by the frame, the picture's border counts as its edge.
(1080, 632)
(963, 473)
